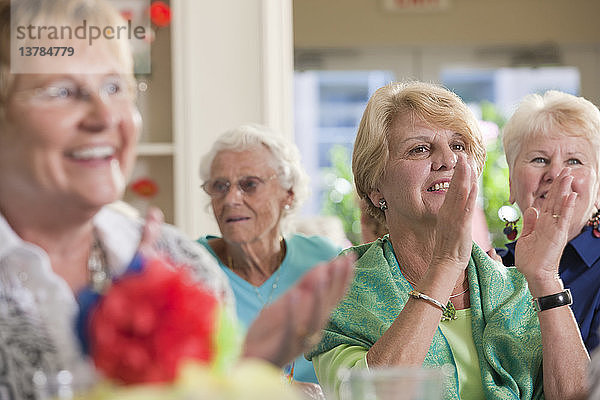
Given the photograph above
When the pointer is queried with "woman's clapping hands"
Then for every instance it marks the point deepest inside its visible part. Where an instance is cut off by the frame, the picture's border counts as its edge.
(453, 233)
(545, 233)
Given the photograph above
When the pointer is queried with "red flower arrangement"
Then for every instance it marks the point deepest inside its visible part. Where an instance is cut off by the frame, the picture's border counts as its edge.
(160, 14)
(148, 322)
(155, 324)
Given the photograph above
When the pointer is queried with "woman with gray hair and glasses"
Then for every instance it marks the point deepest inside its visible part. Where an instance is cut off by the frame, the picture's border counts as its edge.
(255, 181)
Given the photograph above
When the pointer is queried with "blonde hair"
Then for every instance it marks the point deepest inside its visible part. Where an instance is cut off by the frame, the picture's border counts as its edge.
(55, 12)
(428, 102)
(285, 157)
(551, 115)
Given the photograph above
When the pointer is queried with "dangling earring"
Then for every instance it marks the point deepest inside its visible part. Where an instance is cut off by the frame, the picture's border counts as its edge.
(594, 222)
(382, 204)
(510, 216)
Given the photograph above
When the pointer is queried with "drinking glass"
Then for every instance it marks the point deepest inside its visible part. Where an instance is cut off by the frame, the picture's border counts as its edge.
(396, 383)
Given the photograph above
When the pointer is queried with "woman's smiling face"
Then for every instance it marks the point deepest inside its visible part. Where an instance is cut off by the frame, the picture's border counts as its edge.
(70, 138)
(419, 170)
(539, 162)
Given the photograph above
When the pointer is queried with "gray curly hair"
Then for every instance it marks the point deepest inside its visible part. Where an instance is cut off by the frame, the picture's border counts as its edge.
(286, 158)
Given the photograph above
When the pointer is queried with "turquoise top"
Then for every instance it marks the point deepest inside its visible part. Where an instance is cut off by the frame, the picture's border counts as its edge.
(302, 253)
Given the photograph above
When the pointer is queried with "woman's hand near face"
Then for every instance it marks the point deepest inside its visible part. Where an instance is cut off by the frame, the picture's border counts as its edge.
(544, 236)
(408, 339)
(537, 256)
(453, 238)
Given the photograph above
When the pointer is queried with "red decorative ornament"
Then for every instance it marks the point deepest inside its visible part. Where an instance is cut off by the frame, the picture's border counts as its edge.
(512, 234)
(144, 187)
(510, 216)
(148, 322)
(127, 14)
(594, 222)
(160, 14)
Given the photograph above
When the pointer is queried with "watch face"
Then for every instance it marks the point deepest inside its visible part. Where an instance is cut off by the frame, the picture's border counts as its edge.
(508, 214)
(554, 300)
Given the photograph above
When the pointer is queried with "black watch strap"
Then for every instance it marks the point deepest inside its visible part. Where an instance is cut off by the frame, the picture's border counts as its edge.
(554, 300)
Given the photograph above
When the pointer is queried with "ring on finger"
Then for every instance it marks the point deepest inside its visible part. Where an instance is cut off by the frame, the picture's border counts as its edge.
(556, 216)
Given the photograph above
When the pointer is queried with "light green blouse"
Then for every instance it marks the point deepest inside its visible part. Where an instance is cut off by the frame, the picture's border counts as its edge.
(458, 333)
(504, 326)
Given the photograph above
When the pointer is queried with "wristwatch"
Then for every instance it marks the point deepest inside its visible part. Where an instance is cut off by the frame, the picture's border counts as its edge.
(554, 300)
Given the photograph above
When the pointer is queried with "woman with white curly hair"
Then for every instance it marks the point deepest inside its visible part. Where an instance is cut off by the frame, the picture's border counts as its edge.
(255, 181)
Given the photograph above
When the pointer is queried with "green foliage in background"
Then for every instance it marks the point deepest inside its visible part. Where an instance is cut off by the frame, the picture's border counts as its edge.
(340, 197)
(495, 189)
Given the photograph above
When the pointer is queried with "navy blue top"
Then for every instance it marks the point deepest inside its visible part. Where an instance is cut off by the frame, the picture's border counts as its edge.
(580, 271)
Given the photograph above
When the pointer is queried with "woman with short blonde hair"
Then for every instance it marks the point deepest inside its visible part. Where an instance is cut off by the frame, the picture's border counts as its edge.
(418, 100)
(426, 295)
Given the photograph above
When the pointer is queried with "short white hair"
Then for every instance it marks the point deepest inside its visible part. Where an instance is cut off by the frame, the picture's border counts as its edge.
(551, 115)
(286, 157)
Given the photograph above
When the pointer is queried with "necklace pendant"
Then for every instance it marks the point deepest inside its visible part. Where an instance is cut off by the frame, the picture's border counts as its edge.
(99, 277)
(449, 313)
(99, 281)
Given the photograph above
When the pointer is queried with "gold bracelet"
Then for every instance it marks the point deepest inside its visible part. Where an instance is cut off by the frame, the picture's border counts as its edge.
(448, 311)
(419, 295)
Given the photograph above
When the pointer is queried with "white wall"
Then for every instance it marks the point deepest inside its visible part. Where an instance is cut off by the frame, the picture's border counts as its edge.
(362, 23)
(232, 64)
(354, 34)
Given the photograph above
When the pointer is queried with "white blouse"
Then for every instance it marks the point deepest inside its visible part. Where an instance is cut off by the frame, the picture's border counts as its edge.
(38, 308)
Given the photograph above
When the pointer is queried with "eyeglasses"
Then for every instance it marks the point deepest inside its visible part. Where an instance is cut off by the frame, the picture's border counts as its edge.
(67, 92)
(248, 185)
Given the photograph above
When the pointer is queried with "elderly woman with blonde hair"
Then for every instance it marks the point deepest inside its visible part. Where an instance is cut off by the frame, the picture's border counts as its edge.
(255, 181)
(67, 146)
(546, 134)
(426, 295)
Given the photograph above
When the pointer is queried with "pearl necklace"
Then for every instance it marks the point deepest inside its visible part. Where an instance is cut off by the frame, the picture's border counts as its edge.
(277, 274)
(273, 287)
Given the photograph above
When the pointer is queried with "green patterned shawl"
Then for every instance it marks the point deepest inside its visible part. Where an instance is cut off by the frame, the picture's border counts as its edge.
(505, 326)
